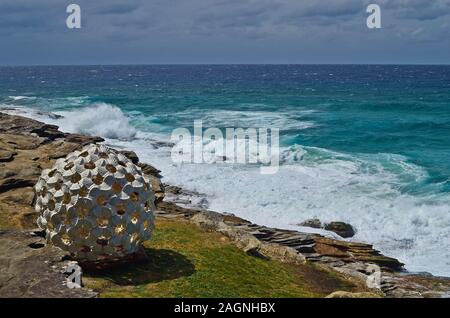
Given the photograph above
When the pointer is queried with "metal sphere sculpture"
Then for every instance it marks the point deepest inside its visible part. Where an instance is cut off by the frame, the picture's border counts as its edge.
(95, 204)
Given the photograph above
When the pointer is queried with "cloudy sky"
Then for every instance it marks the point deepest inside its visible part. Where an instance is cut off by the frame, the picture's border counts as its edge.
(224, 31)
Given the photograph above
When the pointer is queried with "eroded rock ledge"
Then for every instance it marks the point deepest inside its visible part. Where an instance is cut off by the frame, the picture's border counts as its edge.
(349, 258)
(31, 269)
(28, 146)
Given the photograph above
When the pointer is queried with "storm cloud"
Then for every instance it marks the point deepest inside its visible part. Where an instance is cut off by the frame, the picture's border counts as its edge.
(224, 31)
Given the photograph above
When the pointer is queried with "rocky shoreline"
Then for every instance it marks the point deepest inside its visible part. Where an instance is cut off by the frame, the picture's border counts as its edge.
(28, 146)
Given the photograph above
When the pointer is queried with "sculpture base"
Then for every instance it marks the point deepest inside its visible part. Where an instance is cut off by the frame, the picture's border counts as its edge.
(138, 257)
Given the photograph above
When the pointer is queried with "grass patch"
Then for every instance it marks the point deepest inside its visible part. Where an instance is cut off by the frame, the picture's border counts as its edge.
(186, 261)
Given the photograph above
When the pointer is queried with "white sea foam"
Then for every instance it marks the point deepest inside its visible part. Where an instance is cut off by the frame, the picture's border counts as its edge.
(17, 98)
(364, 190)
(99, 119)
(245, 119)
(314, 182)
(413, 229)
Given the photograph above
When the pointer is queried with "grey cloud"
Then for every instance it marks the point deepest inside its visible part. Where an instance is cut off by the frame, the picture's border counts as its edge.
(222, 30)
(417, 9)
(117, 8)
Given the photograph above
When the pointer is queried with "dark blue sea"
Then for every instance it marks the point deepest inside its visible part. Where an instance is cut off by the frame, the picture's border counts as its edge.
(364, 144)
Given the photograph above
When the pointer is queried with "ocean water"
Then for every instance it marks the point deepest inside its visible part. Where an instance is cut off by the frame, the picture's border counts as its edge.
(368, 145)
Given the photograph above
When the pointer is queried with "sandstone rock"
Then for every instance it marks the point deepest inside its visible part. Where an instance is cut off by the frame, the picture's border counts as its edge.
(20, 125)
(158, 188)
(17, 125)
(247, 242)
(6, 155)
(342, 229)
(82, 139)
(27, 147)
(155, 179)
(28, 268)
(344, 294)
(13, 143)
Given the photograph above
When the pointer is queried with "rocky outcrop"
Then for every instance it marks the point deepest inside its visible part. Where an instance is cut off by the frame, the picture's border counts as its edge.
(29, 268)
(312, 223)
(354, 260)
(26, 148)
(342, 229)
(17, 125)
(130, 155)
(20, 125)
(155, 180)
(247, 242)
(7, 156)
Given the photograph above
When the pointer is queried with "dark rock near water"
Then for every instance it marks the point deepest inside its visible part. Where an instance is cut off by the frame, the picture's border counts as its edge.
(342, 229)
(20, 125)
(312, 223)
(173, 189)
(150, 170)
(130, 155)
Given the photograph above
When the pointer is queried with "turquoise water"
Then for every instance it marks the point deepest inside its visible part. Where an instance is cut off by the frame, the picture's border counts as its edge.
(365, 144)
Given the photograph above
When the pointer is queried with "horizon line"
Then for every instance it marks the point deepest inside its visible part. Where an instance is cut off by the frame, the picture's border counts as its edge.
(225, 64)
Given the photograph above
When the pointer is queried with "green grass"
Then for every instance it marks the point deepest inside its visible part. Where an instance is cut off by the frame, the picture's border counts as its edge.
(186, 261)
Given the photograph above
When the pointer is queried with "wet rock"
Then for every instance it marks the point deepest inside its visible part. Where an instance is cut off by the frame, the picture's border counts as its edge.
(50, 115)
(48, 131)
(313, 223)
(150, 170)
(130, 155)
(342, 229)
(173, 189)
